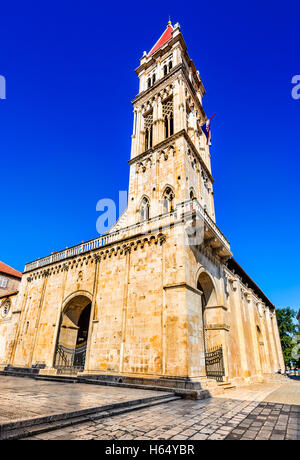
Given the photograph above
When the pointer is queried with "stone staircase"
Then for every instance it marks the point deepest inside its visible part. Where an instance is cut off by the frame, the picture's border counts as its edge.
(12, 371)
(226, 386)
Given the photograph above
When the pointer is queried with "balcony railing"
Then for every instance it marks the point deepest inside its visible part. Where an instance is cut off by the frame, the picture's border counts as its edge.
(140, 228)
(194, 205)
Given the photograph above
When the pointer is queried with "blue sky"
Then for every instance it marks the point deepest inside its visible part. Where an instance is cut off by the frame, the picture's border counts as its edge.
(69, 68)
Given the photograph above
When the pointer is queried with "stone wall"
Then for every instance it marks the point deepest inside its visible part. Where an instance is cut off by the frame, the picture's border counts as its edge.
(12, 284)
(147, 317)
(9, 318)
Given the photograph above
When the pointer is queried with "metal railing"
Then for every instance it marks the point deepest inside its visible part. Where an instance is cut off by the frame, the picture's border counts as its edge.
(214, 364)
(68, 360)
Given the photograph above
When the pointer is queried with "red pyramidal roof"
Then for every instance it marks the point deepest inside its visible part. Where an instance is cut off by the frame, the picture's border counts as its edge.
(163, 39)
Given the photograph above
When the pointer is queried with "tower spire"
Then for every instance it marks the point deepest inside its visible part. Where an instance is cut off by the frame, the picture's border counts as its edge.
(168, 33)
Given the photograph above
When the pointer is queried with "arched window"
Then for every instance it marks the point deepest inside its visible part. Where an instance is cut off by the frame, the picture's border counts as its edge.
(149, 82)
(192, 195)
(144, 210)
(170, 65)
(168, 117)
(153, 78)
(165, 70)
(168, 200)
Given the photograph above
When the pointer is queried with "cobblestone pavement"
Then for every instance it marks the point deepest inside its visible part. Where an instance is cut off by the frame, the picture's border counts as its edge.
(245, 413)
(22, 398)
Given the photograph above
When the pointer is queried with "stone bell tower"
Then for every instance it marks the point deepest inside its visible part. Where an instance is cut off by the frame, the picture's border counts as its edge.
(170, 160)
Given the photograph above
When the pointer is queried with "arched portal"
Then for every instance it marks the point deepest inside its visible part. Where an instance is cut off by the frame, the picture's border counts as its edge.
(73, 336)
(212, 338)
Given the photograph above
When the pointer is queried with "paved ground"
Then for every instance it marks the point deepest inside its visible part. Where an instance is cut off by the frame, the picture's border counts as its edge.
(256, 412)
(22, 398)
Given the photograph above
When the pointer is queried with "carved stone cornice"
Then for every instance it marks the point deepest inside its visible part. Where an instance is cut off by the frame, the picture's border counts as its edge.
(97, 257)
(45, 272)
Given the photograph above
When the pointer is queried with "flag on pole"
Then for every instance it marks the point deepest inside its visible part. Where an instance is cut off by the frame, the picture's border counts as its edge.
(207, 131)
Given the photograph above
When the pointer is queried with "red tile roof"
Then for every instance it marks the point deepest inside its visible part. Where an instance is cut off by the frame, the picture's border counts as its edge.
(9, 270)
(163, 39)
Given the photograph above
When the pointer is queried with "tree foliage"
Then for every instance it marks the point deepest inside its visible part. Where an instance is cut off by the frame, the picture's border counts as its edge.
(288, 329)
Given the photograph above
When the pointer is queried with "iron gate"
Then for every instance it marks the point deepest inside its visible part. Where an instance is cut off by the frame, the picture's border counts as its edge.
(214, 364)
(70, 361)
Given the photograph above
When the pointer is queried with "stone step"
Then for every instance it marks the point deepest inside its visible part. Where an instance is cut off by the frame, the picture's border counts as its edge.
(226, 385)
(188, 393)
(185, 393)
(57, 378)
(27, 428)
(20, 371)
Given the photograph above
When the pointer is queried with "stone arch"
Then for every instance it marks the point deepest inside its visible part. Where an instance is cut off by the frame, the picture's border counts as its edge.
(192, 194)
(76, 294)
(168, 199)
(210, 314)
(144, 209)
(73, 331)
(202, 273)
(208, 288)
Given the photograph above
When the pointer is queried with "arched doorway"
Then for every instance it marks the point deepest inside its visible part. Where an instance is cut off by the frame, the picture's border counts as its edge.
(72, 337)
(213, 348)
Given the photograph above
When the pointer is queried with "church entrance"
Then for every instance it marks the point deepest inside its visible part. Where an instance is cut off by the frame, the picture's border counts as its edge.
(214, 362)
(72, 340)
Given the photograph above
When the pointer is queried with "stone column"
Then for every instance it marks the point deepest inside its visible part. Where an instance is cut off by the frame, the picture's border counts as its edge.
(57, 324)
(127, 251)
(21, 318)
(240, 325)
(254, 336)
(156, 133)
(278, 343)
(262, 314)
(45, 275)
(274, 356)
(138, 146)
(160, 129)
(94, 313)
(179, 105)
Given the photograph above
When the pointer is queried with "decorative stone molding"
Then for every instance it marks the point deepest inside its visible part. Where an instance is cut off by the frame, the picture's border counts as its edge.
(233, 281)
(5, 308)
(97, 257)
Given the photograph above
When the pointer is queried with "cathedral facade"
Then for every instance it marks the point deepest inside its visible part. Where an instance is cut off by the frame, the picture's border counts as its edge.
(159, 298)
